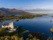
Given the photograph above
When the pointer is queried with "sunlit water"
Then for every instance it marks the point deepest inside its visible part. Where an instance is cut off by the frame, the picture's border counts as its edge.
(39, 24)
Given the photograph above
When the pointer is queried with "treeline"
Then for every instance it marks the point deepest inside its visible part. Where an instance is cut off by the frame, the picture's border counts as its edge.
(24, 16)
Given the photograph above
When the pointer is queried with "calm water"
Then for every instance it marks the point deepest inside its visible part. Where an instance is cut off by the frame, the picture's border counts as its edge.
(40, 24)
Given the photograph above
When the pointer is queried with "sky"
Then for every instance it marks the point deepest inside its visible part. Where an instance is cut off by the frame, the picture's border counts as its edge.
(27, 4)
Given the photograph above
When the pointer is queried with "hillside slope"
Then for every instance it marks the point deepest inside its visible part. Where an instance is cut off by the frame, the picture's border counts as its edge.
(7, 12)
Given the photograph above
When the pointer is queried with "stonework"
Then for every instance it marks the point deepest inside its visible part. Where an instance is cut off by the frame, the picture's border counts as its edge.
(11, 25)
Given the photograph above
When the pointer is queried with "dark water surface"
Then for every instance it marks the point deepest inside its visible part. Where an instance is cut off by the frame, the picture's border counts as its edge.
(39, 24)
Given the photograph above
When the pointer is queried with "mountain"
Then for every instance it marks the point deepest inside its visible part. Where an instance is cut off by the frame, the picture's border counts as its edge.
(40, 11)
(7, 12)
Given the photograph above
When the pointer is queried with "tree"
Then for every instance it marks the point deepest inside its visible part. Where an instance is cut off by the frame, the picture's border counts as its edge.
(2, 31)
(20, 31)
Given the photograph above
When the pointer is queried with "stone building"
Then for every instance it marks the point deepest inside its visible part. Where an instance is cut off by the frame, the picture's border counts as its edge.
(10, 27)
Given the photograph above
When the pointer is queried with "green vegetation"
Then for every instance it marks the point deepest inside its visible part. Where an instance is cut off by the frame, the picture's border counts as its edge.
(20, 31)
(2, 31)
(18, 35)
(24, 16)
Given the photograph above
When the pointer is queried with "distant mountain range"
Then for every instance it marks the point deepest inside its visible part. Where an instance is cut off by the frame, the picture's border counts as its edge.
(40, 10)
(6, 12)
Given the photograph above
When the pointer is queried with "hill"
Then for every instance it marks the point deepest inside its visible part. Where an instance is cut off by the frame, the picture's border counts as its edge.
(8, 12)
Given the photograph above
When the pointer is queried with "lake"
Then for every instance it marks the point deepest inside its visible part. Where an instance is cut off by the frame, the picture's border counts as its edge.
(39, 24)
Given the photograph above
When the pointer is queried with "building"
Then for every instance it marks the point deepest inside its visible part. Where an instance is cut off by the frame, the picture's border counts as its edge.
(10, 26)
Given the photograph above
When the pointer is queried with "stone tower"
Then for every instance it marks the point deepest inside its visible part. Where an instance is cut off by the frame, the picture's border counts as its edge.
(11, 25)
